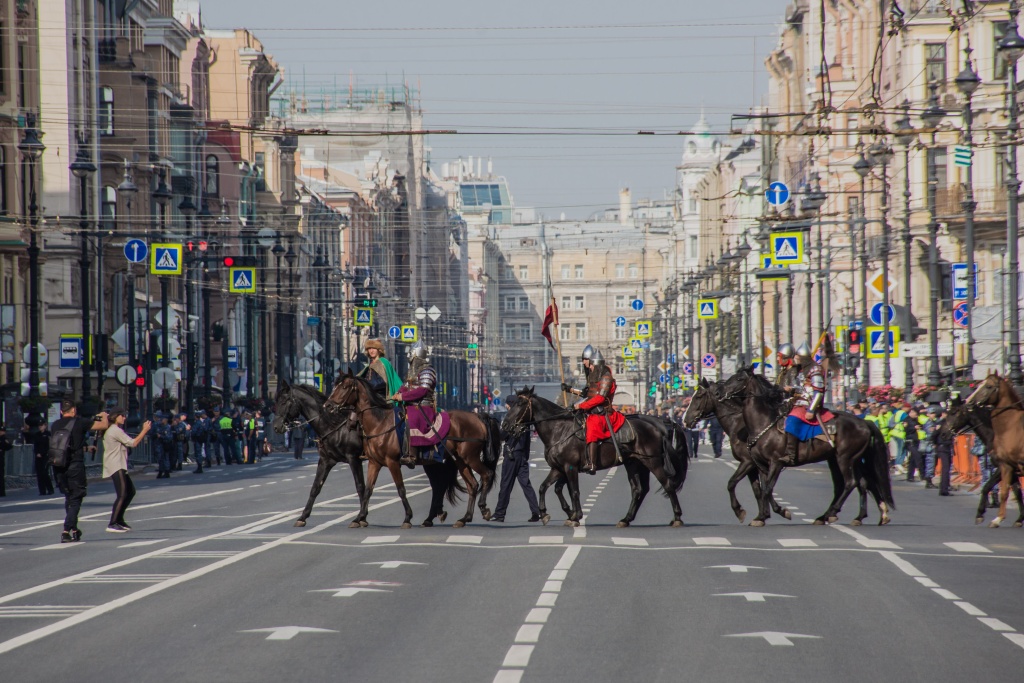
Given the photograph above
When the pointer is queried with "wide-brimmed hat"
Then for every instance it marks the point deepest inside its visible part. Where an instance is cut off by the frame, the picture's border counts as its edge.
(375, 344)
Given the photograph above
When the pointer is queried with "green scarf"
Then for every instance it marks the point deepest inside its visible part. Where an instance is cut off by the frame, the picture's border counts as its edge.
(394, 381)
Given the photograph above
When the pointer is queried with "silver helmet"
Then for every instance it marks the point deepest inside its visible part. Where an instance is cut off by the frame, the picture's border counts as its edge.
(786, 350)
(803, 353)
(588, 352)
(418, 351)
(596, 356)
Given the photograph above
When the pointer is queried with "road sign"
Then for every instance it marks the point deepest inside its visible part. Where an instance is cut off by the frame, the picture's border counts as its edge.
(312, 321)
(787, 248)
(166, 259)
(643, 329)
(135, 250)
(471, 354)
(420, 313)
(312, 348)
(708, 360)
(126, 375)
(960, 337)
(627, 352)
(635, 343)
(962, 155)
(663, 366)
(497, 401)
(688, 367)
(164, 379)
(876, 314)
(924, 349)
(877, 344)
(434, 313)
(960, 280)
(232, 357)
(71, 351)
(394, 332)
(366, 302)
(671, 358)
(362, 317)
(496, 392)
(961, 314)
(410, 334)
(664, 379)
(637, 304)
(243, 281)
(727, 304)
(707, 309)
(710, 374)
(318, 381)
(877, 281)
(42, 358)
(777, 193)
(620, 321)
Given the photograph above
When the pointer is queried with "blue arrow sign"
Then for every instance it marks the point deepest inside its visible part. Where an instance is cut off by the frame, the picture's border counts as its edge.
(664, 379)
(960, 280)
(777, 194)
(620, 321)
(671, 358)
(877, 311)
(637, 304)
(961, 314)
(136, 251)
(394, 331)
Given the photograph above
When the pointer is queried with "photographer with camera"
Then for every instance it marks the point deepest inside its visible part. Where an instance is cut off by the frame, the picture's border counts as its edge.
(67, 455)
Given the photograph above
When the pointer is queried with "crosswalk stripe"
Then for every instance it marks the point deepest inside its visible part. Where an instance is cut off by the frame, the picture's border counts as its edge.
(967, 547)
(546, 539)
(797, 543)
(371, 540)
(711, 540)
(466, 539)
(641, 542)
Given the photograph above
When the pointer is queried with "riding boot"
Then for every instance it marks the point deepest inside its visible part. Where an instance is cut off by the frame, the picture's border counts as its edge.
(590, 461)
(792, 444)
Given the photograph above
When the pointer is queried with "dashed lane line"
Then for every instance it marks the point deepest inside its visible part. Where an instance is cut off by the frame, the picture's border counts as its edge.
(871, 543)
(711, 541)
(371, 540)
(641, 542)
(797, 543)
(967, 547)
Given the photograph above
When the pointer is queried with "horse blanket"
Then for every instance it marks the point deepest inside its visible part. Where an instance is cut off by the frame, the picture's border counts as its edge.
(597, 425)
(427, 427)
(806, 428)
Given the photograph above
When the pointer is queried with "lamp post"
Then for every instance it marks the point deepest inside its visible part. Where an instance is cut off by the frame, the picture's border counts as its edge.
(967, 82)
(905, 136)
(742, 251)
(863, 167)
(883, 153)
(128, 190)
(932, 117)
(1011, 45)
(811, 205)
(278, 252)
(32, 148)
(83, 168)
(188, 210)
(162, 196)
(289, 258)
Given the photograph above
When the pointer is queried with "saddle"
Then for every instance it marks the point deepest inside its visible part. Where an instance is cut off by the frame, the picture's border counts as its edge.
(626, 434)
(829, 429)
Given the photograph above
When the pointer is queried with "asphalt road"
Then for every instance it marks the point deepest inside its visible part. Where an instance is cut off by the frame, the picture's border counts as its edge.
(215, 584)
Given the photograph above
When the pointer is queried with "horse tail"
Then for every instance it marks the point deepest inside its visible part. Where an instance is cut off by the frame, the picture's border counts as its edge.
(677, 457)
(877, 465)
(452, 485)
(492, 449)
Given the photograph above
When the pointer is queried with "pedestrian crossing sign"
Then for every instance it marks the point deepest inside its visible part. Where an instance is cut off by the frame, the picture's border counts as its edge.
(165, 259)
(876, 342)
(643, 329)
(243, 281)
(635, 343)
(363, 317)
(787, 247)
(707, 309)
(627, 352)
(410, 334)
(318, 381)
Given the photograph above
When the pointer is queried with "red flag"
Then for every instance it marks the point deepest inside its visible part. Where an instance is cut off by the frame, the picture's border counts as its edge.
(550, 317)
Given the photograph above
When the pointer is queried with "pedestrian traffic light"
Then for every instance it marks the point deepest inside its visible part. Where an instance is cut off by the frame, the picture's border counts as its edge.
(140, 375)
(854, 338)
(228, 261)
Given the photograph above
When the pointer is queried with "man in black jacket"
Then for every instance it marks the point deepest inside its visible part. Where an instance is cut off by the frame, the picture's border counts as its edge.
(71, 480)
(943, 452)
(516, 466)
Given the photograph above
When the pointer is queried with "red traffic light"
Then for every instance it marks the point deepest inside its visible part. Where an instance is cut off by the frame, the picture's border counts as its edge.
(856, 339)
(203, 245)
(229, 261)
(140, 375)
(486, 391)
(190, 244)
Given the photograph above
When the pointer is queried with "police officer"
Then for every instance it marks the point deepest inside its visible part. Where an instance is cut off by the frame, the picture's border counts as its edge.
(516, 466)
(716, 435)
(180, 429)
(163, 443)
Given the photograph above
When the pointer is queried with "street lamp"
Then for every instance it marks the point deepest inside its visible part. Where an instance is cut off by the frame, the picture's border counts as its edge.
(906, 135)
(129, 190)
(1011, 46)
(162, 196)
(932, 117)
(863, 167)
(188, 210)
(882, 152)
(289, 258)
(967, 82)
(32, 148)
(814, 199)
(83, 168)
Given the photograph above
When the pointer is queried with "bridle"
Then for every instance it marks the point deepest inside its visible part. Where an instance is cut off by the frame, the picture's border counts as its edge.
(520, 424)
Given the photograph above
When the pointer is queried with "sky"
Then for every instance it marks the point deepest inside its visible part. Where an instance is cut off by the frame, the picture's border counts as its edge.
(553, 91)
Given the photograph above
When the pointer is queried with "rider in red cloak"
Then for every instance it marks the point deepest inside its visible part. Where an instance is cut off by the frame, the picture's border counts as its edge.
(602, 419)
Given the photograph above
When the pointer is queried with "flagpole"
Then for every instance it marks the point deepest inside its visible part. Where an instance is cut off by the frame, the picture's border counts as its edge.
(558, 345)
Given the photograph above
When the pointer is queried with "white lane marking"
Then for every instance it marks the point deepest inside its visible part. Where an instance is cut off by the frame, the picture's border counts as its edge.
(547, 539)
(752, 596)
(568, 557)
(995, 624)
(547, 599)
(286, 632)
(943, 593)
(926, 582)
(903, 565)
(466, 539)
(394, 564)
(711, 540)
(865, 541)
(967, 547)
(776, 638)
(140, 544)
(58, 546)
(734, 568)
(557, 574)
(135, 508)
(256, 486)
(640, 542)
(797, 543)
(125, 578)
(1015, 638)
(552, 586)
(349, 591)
(529, 633)
(539, 615)
(370, 540)
(509, 675)
(198, 554)
(799, 514)
(41, 611)
(518, 655)
(970, 609)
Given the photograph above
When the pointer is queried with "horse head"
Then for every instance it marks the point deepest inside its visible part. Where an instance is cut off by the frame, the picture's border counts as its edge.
(703, 403)
(744, 381)
(988, 392)
(520, 410)
(286, 408)
(346, 392)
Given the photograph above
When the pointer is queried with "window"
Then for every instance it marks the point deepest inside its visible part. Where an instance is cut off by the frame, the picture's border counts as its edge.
(566, 303)
(565, 272)
(564, 332)
(937, 155)
(510, 303)
(634, 271)
(853, 206)
(935, 63)
(105, 114)
(525, 332)
(620, 302)
(524, 303)
(517, 331)
(261, 176)
(579, 272)
(508, 272)
(581, 332)
(692, 204)
(3, 179)
(524, 272)
(108, 207)
(620, 270)
(693, 246)
(212, 176)
(622, 333)
(581, 303)
(853, 137)
(1000, 66)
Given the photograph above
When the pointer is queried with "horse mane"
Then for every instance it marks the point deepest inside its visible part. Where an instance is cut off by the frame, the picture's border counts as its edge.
(763, 389)
(379, 405)
(312, 391)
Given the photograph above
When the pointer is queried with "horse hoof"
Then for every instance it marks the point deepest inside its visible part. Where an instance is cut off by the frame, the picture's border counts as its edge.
(363, 523)
(406, 525)
(1018, 524)
(300, 523)
(355, 525)
(622, 525)
(568, 522)
(855, 522)
(787, 514)
(444, 516)
(885, 520)
(742, 516)
(575, 523)
(486, 515)
(459, 524)
(994, 524)
(757, 522)
(833, 519)
(979, 520)
(427, 523)
(819, 522)
(676, 523)
(545, 519)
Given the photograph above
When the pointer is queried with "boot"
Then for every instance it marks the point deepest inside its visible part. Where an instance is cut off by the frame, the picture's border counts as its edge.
(792, 444)
(590, 458)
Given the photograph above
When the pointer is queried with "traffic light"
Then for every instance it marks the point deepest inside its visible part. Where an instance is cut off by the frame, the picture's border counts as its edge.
(228, 261)
(140, 375)
(486, 391)
(854, 338)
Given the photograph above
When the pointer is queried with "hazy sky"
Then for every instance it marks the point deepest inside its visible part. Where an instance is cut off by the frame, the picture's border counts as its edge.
(559, 87)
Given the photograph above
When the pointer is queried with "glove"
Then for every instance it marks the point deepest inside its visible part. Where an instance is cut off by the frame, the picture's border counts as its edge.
(566, 387)
(577, 405)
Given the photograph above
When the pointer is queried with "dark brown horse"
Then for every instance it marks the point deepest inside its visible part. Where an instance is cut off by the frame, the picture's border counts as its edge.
(997, 394)
(472, 443)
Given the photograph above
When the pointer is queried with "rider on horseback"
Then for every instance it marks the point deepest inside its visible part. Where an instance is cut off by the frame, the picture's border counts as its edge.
(808, 389)
(788, 370)
(379, 373)
(418, 390)
(602, 421)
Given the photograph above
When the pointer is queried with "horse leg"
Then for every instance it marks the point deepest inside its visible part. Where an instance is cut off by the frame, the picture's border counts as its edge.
(666, 485)
(1020, 502)
(633, 477)
(560, 492)
(433, 473)
(553, 476)
(1004, 493)
(395, 468)
(323, 468)
(573, 481)
(838, 480)
(767, 492)
(356, 465)
(486, 484)
(742, 471)
(850, 482)
(985, 491)
(472, 487)
(372, 472)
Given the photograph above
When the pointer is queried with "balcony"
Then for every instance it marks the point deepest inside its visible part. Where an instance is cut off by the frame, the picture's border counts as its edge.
(926, 8)
(991, 202)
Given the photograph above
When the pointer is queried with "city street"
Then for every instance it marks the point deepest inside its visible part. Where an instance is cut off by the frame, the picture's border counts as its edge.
(214, 583)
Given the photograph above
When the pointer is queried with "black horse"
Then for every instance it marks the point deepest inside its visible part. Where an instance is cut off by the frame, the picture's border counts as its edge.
(963, 417)
(339, 439)
(659, 448)
(862, 458)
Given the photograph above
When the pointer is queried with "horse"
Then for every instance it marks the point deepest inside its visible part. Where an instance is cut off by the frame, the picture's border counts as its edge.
(964, 417)
(997, 394)
(339, 440)
(472, 442)
(856, 441)
(653, 451)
